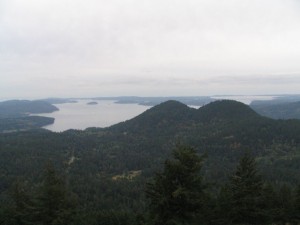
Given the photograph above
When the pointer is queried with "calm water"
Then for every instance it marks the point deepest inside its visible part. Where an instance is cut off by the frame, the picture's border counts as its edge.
(81, 116)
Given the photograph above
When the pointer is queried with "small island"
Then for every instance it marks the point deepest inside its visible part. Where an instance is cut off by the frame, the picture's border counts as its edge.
(92, 103)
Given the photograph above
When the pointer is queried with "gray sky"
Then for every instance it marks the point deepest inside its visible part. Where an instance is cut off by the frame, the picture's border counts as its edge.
(89, 48)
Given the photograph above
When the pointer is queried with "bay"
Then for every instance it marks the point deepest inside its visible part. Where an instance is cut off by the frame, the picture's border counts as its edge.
(81, 115)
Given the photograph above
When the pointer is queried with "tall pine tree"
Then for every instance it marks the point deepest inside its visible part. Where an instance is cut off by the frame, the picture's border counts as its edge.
(177, 195)
(55, 204)
(297, 205)
(246, 186)
(21, 211)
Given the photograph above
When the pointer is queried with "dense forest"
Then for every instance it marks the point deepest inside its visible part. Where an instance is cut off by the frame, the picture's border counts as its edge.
(226, 157)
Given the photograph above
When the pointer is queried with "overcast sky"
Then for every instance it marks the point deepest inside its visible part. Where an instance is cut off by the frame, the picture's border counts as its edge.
(89, 48)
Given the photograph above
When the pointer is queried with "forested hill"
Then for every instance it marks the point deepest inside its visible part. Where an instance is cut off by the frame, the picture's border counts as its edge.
(162, 117)
(218, 119)
(173, 113)
(223, 129)
(108, 168)
(226, 110)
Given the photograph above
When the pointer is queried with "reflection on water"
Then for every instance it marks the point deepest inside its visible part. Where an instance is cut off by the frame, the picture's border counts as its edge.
(81, 115)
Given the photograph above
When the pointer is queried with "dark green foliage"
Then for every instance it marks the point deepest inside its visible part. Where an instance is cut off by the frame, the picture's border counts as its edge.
(269, 203)
(54, 205)
(163, 118)
(284, 210)
(108, 168)
(246, 187)
(226, 109)
(221, 213)
(24, 123)
(50, 203)
(21, 210)
(297, 204)
(177, 195)
(113, 217)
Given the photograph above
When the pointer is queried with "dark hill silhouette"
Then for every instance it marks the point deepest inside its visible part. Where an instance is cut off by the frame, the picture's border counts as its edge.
(166, 115)
(219, 120)
(226, 109)
(171, 114)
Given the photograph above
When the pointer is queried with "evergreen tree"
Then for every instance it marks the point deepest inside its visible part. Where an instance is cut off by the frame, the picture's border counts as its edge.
(297, 205)
(20, 212)
(284, 205)
(55, 204)
(269, 202)
(246, 188)
(223, 203)
(177, 195)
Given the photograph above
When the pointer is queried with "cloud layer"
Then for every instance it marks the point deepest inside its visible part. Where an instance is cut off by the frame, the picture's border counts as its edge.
(139, 47)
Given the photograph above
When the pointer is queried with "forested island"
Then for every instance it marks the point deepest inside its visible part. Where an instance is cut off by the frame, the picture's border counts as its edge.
(220, 164)
(92, 103)
(19, 108)
(15, 115)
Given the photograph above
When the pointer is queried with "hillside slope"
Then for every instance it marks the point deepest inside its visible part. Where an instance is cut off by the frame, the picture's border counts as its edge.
(109, 166)
(287, 110)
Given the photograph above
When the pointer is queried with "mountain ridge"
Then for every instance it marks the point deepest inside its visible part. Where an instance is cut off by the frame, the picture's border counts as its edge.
(173, 113)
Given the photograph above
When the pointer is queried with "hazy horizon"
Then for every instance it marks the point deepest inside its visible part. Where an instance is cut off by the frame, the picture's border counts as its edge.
(247, 98)
(136, 96)
(62, 48)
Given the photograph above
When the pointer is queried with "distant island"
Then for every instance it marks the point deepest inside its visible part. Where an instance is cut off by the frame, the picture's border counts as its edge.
(152, 101)
(92, 103)
(20, 108)
(59, 100)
